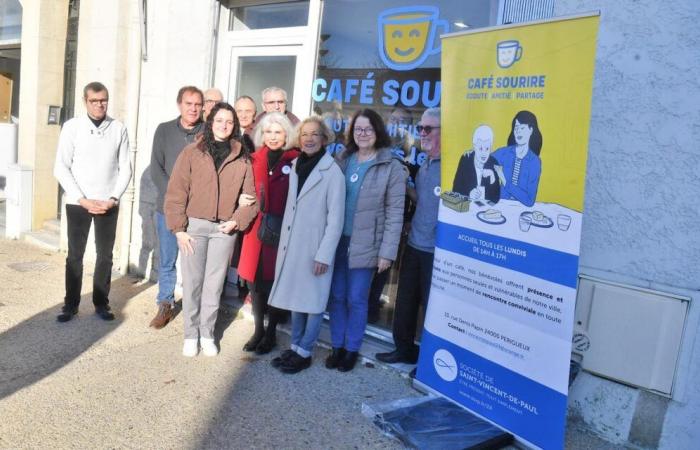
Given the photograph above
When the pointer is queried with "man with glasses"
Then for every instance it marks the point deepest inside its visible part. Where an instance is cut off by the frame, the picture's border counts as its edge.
(212, 96)
(93, 167)
(168, 141)
(417, 261)
(274, 99)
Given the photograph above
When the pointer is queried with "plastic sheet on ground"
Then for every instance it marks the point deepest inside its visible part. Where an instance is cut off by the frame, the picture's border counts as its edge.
(431, 422)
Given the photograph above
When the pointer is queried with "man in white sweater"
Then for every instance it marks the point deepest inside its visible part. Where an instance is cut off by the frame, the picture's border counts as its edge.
(92, 166)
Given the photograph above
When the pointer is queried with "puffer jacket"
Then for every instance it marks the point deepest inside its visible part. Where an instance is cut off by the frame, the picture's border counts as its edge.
(378, 220)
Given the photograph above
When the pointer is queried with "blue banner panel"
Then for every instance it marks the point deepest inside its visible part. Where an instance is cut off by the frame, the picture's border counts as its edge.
(513, 401)
(547, 264)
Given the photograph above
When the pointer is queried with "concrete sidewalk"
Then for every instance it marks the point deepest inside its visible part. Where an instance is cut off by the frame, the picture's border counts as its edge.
(95, 384)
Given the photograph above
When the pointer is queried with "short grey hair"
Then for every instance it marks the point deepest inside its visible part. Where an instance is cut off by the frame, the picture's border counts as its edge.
(269, 119)
(326, 133)
(272, 89)
(213, 90)
(432, 112)
(483, 133)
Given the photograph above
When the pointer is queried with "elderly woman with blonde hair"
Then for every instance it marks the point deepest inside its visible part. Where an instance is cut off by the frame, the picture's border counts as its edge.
(311, 229)
(272, 166)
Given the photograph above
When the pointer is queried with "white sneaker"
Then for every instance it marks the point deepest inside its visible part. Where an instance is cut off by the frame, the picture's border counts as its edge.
(190, 348)
(209, 347)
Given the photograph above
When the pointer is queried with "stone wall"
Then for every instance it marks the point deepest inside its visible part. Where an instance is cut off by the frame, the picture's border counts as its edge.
(641, 224)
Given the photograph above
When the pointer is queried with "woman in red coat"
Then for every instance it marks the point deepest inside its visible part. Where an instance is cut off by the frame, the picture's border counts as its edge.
(272, 163)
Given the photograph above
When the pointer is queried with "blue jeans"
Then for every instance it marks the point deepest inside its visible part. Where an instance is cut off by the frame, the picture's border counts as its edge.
(349, 298)
(305, 330)
(167, 257)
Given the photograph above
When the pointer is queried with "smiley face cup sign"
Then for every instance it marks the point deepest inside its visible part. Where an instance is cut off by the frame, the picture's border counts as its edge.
(408, 35)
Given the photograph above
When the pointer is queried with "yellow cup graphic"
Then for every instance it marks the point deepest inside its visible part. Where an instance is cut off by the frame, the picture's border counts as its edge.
(408, 35)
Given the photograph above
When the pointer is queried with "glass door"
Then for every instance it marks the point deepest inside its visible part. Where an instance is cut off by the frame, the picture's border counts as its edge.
(263, 44)
(253, 69)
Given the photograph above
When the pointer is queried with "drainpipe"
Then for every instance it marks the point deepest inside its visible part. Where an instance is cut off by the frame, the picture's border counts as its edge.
(216, 17)
(137, 53)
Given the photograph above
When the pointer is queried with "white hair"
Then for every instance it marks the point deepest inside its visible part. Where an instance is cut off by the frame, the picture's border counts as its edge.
(432, 112)
(272, 89)
(483, 133)
(269, 119)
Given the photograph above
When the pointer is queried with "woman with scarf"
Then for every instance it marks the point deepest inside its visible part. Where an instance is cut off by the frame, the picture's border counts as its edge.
(202, 210)
(313, 223)
(272, 164)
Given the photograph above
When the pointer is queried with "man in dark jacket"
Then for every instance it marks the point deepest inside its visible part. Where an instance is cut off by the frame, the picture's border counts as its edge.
(417, 261)
(168, 141)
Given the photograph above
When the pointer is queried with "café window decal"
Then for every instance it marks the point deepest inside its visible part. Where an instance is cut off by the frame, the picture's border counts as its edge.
(408, 35)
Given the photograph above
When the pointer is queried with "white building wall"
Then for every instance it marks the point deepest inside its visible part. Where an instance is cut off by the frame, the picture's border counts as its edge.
(643, 183)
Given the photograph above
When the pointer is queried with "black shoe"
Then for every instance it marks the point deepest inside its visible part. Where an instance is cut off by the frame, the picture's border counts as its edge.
(266, 345)
(397, 356)
(67, 314)
(284, 356)
(337, 354)
(253, 342)
(348, 362)
(104, 312)
(295, 364)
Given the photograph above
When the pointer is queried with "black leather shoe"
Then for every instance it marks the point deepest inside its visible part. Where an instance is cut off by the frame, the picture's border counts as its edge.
(252, 343)
(284, 356)
(396, 356)
(337, 354)
(67, 314)
(295, 364)
(266, 345)
(348, 362)
(104, 313)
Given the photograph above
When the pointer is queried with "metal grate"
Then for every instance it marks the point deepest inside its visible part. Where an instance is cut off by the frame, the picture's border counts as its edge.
(515, 11)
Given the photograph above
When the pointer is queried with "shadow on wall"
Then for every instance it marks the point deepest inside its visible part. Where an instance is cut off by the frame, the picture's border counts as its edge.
(147, 265)
(39, 346)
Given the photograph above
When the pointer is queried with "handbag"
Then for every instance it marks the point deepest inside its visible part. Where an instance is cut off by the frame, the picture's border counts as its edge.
(270, 229)
(270, 225)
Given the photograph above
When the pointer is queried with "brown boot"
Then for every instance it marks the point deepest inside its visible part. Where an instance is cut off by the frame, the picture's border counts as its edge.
(163, 316)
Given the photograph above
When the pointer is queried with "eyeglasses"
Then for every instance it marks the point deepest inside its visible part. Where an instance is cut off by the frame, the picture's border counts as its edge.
(98, 101)
(275, 102)
(427, 128)
(210, 101)
(369, 131)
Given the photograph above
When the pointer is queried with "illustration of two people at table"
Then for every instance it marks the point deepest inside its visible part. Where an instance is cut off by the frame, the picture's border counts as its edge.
(511, 172)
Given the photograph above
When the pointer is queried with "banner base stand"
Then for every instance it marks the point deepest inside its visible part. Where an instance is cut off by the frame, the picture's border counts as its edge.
(435, 423)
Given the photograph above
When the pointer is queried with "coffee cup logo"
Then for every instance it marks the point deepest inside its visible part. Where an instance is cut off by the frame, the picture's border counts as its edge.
(508, 53)
(408, 35)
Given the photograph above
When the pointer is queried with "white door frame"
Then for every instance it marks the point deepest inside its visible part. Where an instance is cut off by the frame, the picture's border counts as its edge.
(301, 42)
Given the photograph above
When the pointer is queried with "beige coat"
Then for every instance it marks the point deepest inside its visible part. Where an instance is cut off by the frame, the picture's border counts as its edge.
(311, 229)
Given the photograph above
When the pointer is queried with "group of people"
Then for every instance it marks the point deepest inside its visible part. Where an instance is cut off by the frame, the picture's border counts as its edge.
(308, 232)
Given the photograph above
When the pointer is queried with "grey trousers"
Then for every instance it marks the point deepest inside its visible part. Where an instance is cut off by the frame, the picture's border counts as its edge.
(203, 275)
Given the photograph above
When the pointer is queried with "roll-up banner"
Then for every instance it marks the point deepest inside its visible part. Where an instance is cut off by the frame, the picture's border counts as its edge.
(516, 103)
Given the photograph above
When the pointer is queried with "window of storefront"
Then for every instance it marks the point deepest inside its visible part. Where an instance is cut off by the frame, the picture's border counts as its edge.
(10, 21)
(387, 58)
(276, 15)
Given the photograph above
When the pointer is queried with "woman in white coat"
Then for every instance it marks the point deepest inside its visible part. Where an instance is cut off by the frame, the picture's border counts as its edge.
(311, 229)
